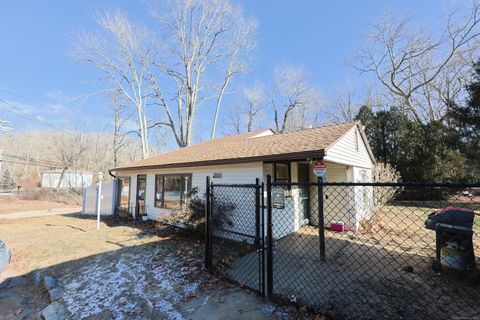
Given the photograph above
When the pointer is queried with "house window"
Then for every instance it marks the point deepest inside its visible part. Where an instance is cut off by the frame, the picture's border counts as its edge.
(281, 172)
(172, 190)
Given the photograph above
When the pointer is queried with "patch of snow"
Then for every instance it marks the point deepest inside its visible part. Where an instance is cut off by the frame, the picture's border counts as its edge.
(268, 309)
(133, 285)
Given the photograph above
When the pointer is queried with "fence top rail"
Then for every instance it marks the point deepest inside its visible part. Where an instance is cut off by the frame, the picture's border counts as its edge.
(382, 184)
(235, 185)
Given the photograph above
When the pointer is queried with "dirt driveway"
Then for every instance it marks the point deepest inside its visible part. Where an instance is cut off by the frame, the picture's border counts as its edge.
(124, 271)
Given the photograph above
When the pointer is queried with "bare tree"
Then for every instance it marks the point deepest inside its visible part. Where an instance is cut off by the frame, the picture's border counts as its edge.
(118, 139)
(200, 36)
(120, 51)
(245, 116)
(240, 44)
(68, 149)
(256, 100)
(233, 125)
(349, 99)
(345, 105)
(411, 62)
(295, 102)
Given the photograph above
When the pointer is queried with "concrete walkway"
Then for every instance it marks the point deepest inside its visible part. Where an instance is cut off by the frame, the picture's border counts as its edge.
(39, 213)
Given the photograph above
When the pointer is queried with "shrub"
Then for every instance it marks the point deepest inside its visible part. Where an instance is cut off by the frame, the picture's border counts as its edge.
(8, 180)
(195, 210)
(67, 196)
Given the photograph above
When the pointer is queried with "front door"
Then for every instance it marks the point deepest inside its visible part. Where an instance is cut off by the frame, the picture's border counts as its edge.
(141, 190)
(304, 177)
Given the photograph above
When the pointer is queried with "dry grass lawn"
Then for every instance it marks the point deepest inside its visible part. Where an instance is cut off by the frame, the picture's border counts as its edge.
(42, 242)
(10, 204)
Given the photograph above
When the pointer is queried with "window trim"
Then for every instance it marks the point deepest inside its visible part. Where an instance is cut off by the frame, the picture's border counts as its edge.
(289, 166)
(182, 192)
(119, 193)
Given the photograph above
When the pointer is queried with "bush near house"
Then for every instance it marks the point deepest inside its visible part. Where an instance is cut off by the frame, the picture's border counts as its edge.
(193, 214)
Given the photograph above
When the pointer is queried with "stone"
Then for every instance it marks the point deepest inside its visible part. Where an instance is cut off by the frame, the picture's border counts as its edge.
(50, 282)
(55, 294)
(13, 282)
(55, 311)
(37, 278)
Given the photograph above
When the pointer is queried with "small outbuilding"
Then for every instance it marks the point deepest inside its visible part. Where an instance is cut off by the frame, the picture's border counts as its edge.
(153, 187)
(66, 179)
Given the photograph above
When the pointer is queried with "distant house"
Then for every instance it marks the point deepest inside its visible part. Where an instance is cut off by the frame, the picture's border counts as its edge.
(152, 187)
(71, 179)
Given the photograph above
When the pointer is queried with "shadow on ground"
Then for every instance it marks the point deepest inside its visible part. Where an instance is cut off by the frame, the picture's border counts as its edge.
(160, 279)
(364, 279)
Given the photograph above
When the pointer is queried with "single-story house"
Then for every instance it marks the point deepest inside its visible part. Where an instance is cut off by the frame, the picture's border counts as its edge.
(152, 187)
(70, 179)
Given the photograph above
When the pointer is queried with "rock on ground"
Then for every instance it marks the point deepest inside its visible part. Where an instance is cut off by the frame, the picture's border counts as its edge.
(55, 311)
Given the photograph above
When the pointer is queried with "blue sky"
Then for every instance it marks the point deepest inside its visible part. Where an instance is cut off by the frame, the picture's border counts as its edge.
(36, 36)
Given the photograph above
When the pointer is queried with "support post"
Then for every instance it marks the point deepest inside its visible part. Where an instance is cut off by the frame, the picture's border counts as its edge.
(208, 253)
(321, 219)
(269, 238)
(99, 203)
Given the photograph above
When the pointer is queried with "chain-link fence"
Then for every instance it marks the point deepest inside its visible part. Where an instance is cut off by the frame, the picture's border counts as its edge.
(360, 250)
(236, 233)
(372, 257)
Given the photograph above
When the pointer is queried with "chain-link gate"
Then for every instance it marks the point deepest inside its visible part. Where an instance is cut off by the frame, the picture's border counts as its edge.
(235, 233)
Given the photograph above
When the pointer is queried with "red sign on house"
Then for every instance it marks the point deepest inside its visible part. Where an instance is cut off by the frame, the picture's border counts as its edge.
(319, 168)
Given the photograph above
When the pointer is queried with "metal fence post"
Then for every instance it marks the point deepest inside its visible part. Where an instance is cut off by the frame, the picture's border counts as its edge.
(321, 222)
(269, 238)
(208, 253)
(257, 242)
(262, 235)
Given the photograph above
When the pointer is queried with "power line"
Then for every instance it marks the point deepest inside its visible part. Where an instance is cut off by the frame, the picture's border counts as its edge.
(30, 159)
(29, 116)
(17, 159)
(29, 163)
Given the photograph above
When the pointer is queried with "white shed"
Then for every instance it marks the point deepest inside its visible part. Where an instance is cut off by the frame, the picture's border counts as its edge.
(159, 184)
(70, 179)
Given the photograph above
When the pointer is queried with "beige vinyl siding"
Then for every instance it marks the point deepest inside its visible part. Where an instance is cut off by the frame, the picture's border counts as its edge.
(344, 151)
(336, 199)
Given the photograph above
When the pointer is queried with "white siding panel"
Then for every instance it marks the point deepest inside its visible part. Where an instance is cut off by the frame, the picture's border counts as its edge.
(231, 174)
(344, 151)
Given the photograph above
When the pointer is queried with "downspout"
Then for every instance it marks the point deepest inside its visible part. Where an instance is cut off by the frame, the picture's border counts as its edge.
(111, 174)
